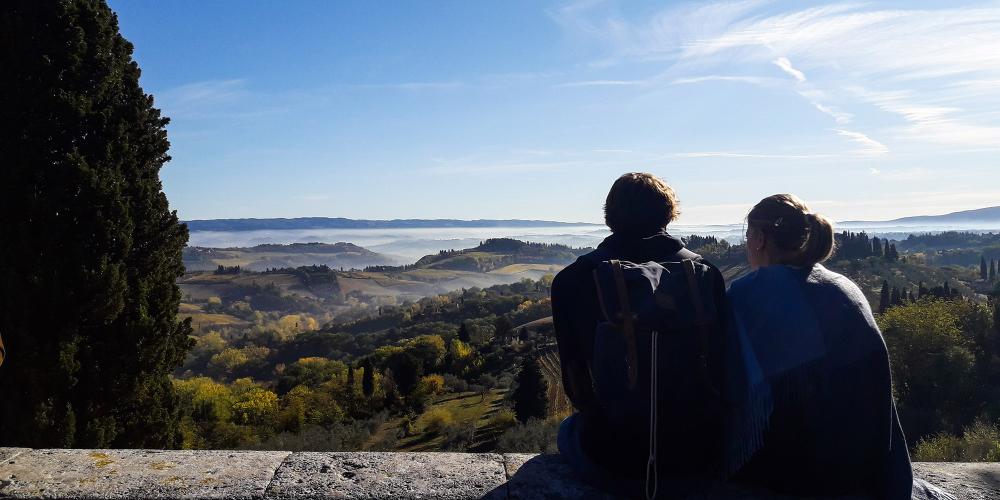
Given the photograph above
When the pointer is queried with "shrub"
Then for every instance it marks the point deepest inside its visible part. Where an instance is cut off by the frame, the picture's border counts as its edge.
(503, 419)
(980, 442)
(437, 419)
(535, 436)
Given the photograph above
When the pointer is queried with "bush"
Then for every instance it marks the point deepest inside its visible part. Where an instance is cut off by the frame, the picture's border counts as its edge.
(455, 384)
(339, 437)
(458, 436)
(436, 420)
(535, 436)
(980, 442)
(503, 419)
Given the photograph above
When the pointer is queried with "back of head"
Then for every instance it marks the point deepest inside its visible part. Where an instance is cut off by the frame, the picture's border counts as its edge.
(803, 238)
(640, 204)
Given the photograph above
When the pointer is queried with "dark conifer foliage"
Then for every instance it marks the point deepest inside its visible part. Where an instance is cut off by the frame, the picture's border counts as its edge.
(884, 298)
(88, 301)
(530, 396)
(463, 333)
(368, 379)
(993, 270)
(983, 270)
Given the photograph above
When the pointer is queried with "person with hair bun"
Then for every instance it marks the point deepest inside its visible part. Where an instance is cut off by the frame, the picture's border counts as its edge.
(818, 415)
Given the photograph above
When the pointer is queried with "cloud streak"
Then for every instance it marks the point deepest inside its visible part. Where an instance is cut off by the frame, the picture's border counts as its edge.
(868, 145)
(786, 66)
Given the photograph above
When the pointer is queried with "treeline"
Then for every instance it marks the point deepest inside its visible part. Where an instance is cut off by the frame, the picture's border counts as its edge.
(850, 246)
(892, 297)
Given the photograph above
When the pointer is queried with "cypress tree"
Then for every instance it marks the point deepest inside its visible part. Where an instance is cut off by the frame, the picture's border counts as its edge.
(993, 270)
(463, 333)
(368, 379)
(983, 270)
(530, 398)
(897, 299)
(92, 250)
(884, 298)
(350, 376)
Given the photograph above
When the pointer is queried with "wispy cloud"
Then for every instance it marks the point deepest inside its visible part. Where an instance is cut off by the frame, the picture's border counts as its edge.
(934, 68)
(868, 145)
(786, 66)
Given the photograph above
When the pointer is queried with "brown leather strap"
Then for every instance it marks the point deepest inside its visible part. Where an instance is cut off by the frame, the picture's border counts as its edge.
(702, 322)
(628, 323)
(3, 351)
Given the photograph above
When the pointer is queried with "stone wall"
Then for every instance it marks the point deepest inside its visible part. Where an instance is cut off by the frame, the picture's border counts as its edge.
(92, 474)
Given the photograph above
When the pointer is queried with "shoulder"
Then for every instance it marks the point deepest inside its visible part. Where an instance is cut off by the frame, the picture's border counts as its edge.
(571, 276)
(760, 277)
(839, 289)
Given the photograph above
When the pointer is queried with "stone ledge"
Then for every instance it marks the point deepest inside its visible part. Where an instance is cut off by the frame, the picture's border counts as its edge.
(185, 474)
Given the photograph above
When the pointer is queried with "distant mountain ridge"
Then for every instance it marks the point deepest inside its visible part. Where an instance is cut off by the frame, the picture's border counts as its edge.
(343, 223)
(988, 214)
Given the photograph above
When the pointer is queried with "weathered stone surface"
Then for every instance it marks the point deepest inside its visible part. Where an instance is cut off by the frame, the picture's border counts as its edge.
(9, 453)
(544, 476)
(387, 475)
(138, 474)
(95, 474)
(972, 481)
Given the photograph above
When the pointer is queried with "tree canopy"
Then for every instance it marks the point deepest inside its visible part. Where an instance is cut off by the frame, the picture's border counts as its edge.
(93, 247)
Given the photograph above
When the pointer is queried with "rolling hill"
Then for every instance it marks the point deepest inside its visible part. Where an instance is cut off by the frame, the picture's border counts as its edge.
(977, 216)
(271, 256)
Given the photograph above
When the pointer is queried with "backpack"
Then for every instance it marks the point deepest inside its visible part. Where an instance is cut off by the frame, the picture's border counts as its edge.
(650, 366)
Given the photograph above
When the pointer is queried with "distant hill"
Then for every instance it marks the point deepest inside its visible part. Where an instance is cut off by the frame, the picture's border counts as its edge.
(269, 256)
(342, 223)
(979, 215)
(497, 253)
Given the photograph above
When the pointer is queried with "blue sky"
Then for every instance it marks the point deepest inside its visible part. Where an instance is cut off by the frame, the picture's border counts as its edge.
(530, 109)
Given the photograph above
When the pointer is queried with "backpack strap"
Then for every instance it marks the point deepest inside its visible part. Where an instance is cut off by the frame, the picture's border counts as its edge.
(3, 352)
(702, 322)
(628, 322)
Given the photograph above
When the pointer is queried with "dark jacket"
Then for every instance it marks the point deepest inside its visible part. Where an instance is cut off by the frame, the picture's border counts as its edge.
(576, 314)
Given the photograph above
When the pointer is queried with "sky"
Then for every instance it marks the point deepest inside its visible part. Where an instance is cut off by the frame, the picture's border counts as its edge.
(530, 109)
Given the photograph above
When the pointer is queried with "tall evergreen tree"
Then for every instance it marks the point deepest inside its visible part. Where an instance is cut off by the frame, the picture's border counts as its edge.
(88, 300)
(896, 298)
(463, 333)
(530, 396)
(993, 270)
(983, 270)
(367, 378)
(877, 247)
(884, 301)
(885, 250)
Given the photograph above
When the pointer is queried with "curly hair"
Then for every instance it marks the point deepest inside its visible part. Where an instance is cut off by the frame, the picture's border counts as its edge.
(640, 204)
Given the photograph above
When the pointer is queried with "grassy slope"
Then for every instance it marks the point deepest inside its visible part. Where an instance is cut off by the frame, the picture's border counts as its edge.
(464, 407)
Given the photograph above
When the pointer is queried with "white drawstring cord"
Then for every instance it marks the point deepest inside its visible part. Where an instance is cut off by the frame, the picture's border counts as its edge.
(651, 462)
